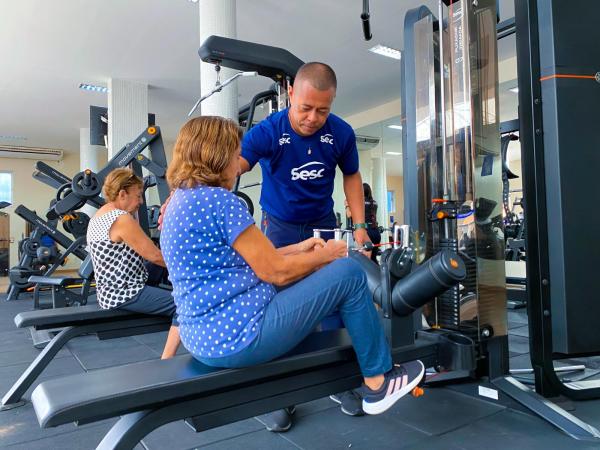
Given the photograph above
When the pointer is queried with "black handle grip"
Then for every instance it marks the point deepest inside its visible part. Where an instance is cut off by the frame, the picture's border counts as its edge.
(366, 25)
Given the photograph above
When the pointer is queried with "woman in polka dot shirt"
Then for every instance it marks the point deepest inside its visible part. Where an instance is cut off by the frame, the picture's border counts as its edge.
(224, 270)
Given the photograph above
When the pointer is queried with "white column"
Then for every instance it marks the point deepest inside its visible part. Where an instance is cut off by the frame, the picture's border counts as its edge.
(89, 158)
(217, 17)
(127, 112)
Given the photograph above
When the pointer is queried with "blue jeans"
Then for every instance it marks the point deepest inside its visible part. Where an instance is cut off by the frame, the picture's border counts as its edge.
(282, 233)
(294, 312)
(153, 300)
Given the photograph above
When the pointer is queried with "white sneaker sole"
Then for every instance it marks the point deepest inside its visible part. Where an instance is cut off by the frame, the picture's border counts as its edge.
(387, 402)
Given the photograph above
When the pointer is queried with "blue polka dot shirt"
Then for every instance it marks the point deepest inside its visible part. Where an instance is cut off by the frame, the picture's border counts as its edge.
(220, 300)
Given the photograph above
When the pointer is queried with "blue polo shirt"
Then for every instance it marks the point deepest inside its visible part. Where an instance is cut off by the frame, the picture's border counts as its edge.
(298, 172)
(220, 300)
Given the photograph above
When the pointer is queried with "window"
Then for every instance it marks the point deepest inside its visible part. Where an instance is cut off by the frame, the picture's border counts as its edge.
(391, 201)
(6, 187)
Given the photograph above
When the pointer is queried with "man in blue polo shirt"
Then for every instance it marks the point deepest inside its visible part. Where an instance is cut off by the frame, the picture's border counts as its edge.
(298, 150)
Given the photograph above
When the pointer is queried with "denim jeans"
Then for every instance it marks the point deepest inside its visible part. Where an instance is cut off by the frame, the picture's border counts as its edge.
(282, 233)
(294, 312)
(153, 300)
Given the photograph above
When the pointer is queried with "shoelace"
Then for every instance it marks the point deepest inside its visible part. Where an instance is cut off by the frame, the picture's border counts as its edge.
(398, 371)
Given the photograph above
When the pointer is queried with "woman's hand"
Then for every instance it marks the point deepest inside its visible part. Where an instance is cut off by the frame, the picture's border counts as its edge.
(310, 244)
(334, 249)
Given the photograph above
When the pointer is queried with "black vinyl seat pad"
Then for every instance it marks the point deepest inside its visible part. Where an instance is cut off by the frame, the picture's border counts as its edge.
(115, 391)
(78, 315)
(55, 281)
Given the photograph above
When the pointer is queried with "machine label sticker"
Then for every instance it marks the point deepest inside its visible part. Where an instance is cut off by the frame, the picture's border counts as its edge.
(488, 392)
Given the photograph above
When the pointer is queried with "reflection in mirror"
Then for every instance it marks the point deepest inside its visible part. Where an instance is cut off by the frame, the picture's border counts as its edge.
(381, 168)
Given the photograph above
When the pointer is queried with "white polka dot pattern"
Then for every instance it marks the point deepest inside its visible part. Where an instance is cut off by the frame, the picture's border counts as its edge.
(220, 300)
(119, 271)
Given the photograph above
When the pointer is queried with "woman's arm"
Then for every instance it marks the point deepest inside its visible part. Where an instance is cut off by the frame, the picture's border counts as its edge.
(279, 269)
(127, 229)
(300, 247)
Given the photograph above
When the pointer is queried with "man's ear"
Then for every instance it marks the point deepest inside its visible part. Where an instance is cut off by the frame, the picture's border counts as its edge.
(290, 91)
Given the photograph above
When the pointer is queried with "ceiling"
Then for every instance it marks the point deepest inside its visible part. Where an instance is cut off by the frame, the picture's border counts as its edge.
(49, 47)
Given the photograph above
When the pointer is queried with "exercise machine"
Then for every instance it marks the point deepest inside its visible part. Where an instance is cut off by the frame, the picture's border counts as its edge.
(36, 259)
(86, 186)
(559, 97)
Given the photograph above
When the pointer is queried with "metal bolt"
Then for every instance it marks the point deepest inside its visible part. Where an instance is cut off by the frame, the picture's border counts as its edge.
(475, 3)
(485, 332)
(538, 131)
(545, 282)
(536, 101)
(546, 313)
(598, 77)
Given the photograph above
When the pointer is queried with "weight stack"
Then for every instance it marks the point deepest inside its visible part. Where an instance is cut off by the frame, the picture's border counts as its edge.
(448, 304)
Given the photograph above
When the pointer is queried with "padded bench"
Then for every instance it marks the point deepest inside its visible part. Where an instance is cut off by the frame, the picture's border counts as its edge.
(150, 394)
(77, 321)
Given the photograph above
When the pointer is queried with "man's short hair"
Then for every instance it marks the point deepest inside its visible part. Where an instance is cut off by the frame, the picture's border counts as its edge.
(319, 75)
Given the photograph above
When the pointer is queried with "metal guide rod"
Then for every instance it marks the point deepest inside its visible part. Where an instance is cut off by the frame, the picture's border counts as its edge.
(443, 97)
(219, 86)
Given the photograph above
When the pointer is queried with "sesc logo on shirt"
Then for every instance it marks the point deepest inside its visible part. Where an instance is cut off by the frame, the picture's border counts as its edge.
(327, 139)
(298, 174)
(284, 139)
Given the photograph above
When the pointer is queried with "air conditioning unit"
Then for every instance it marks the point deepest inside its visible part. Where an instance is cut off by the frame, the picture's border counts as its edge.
(22, 152)
(366, 142)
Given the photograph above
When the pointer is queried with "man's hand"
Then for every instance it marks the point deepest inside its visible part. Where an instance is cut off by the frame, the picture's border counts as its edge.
(310, 244)
(163, 208)
(360, 237)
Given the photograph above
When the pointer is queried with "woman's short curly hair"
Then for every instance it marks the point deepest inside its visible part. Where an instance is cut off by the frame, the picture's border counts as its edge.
(203, 150)
(117, 180)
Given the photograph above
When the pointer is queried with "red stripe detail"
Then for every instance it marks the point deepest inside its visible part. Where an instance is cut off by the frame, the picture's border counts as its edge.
(566, 75)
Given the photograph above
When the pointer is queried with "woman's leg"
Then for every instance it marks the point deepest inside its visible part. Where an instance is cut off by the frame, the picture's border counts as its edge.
(153, 300)
(294, 312)
(172, 344)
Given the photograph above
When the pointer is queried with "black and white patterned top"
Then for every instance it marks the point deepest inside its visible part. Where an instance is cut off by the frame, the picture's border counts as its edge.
(120, 272)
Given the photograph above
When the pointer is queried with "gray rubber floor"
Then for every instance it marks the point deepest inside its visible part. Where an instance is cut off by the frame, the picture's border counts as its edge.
(444, 418)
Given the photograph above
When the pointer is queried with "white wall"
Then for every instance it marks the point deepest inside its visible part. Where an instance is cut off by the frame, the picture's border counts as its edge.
(396, 184)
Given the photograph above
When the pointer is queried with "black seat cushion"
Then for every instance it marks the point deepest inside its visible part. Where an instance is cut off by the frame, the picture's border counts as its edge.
(114, 391)
(77, 315)
(55, 281)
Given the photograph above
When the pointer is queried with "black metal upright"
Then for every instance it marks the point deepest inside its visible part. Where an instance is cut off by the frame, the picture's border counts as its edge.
(532, 160)
(544, 151)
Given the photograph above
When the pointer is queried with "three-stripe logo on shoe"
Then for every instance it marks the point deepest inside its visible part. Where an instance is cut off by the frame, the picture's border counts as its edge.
(396, 384)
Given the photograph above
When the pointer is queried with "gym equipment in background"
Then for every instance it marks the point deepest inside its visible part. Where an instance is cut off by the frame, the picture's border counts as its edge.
(37, 259)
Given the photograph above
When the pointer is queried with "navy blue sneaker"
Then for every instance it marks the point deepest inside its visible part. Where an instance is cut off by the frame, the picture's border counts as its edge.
(278, 421)
(350, 402)
(398, 382)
